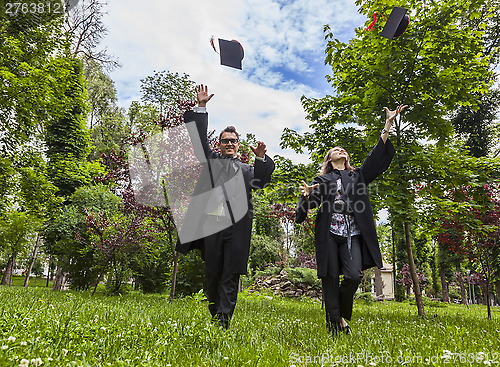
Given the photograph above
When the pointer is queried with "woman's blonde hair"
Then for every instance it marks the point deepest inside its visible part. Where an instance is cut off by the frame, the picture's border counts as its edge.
(327, 164)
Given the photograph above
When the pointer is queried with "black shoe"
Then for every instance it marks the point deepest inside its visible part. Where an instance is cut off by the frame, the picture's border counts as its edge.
(222, 320)
(333, 327)
(346, 329)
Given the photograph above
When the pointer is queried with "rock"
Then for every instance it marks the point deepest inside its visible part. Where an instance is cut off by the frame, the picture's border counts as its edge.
(280, 284)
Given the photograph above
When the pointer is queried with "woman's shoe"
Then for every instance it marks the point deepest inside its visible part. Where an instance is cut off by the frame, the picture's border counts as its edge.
(333, 327)
(346, 329)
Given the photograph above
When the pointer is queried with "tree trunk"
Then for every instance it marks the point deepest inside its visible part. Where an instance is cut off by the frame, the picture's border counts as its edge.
(7, 276)
(393, 237)
(413, 271)
(32, 262)
(497, 289)
(379, 284)
(174, 276)
(461, 283)
(48, 272)
(58, 279)
(488, 283)
(444, 285)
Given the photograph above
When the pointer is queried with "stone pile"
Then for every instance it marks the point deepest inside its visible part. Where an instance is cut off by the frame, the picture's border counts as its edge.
(281, 285)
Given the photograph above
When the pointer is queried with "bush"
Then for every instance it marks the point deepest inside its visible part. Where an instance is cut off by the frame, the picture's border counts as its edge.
(248, 280)
(365, 297)
(305, 260)
(153, 274)
(263, 250)
(190, 274)
(429, 302)
(304, 276)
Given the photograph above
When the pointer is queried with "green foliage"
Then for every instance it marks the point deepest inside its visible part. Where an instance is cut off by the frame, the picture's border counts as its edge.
(191, 274)
(164, 89)
(15, 228)
(108, 122)
(35, 75)
(263, 250)
(476, 125)
(430, 302)
(77, 257)
(264, 225)
(269, 271)
(365, 297)
(303, 276)
(153, 268)
(68, 139)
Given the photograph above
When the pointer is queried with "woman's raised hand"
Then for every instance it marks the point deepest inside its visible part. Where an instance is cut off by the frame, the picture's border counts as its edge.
(391, 115)
(306, 189)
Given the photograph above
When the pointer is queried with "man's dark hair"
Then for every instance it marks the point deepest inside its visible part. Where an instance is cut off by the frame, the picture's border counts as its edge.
(229, 129)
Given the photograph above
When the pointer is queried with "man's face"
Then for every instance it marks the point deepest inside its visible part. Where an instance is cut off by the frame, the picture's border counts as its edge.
(229, 144)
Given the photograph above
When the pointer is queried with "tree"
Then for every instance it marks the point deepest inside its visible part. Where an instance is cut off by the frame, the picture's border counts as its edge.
(429, 65)
(475, 124)
(84, 25)
(164, 89)
(15, 229)
(117, 240)
(101, 92)
(107, 121)
(406, 279)
(64, 233)
(34, 76)
(36, 194)
(118, 173)
(263, 251)
(475, 233)
(67, 139)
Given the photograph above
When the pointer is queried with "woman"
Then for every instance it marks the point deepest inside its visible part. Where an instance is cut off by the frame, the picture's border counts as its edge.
(345, 234)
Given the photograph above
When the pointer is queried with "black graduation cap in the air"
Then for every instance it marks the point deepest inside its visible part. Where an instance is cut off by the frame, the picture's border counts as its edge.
(231, 53)
(396, 24)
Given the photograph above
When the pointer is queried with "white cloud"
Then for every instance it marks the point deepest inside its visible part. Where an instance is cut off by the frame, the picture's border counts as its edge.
(284, 49)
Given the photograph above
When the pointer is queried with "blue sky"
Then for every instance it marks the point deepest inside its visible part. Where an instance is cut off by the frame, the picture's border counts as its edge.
(284, 55)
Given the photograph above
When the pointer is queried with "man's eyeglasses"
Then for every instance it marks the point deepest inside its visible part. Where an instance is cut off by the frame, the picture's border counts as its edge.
(227, 141)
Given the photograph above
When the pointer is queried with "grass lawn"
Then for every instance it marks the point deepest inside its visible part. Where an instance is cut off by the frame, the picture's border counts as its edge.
(18, 280)
(76, 329)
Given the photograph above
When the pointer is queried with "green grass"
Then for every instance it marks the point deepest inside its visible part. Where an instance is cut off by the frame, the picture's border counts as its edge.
(18, 281)
(75, 329)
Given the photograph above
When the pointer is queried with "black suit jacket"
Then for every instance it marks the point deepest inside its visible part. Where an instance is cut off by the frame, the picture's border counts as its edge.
(354, 188)
(254, 177)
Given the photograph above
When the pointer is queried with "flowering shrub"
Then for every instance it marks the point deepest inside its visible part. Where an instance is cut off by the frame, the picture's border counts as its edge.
(406, 280)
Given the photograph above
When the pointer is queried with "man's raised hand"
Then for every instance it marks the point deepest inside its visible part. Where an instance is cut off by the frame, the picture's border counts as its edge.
(202, 95)
(260, 151)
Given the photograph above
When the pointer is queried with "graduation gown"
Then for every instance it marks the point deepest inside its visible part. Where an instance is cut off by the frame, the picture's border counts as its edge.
(254, 177)
(354, 192)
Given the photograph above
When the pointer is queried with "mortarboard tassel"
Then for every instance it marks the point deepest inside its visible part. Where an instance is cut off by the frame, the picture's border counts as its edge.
(213, 44)
(374, 21)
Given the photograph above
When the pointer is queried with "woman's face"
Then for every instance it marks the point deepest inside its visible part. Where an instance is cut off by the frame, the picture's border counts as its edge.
(338, 153)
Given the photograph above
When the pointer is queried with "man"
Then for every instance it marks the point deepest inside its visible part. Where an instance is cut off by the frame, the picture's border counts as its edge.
(227, 211)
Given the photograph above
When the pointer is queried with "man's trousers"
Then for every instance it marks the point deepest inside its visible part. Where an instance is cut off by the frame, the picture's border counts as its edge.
(222, 283)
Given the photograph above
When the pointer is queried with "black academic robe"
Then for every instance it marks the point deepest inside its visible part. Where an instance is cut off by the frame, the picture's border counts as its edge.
(354, 191)
(254, 177)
